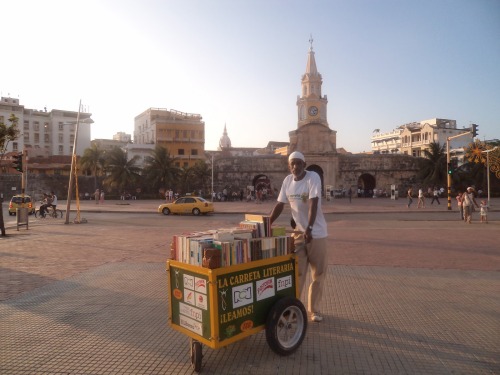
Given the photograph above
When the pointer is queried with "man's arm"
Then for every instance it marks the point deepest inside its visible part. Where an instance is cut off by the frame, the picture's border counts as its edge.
(277, 210)
(313, 210)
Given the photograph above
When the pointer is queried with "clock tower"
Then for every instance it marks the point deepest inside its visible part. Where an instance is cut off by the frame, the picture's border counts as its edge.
(313, 134)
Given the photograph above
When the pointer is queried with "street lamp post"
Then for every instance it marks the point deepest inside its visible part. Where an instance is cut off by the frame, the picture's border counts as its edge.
(73, 165)
(487, 152)
(212, 192)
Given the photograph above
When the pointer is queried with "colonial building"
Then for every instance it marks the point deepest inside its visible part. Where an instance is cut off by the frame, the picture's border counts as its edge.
(46, 133)
(338, 169)
(182, 134)
(415, 137)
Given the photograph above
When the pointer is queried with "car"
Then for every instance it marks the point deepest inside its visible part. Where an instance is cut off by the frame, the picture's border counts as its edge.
(187, 205)
(15, 202)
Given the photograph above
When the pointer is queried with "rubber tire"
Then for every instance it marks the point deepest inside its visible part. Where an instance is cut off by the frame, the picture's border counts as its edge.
(196, 211)
(165, 211)
(196, 355)
(287, 315)
(59, 214)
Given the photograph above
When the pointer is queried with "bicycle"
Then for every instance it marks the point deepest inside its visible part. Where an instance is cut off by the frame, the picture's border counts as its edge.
(50, 211)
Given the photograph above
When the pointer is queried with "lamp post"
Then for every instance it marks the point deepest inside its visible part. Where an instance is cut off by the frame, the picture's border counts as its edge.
(73, 166)
(487, 152)
(212, 192)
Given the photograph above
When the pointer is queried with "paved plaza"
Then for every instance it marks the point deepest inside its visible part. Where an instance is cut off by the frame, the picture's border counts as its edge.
(408, 292)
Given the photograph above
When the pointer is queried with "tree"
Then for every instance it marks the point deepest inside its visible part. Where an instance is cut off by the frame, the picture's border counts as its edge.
(160, 170)
(202, 175)
(7, 134)
(120, 172)
(93, 160)
(433, 165)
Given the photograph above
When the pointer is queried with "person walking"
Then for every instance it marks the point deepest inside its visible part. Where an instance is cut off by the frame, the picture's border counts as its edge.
(435, 195)
(302, 191)
(468, 202)
(484, 212)
(460, 205)
(410, 198)
(97, 196)
(349, 192)
(421, 198)
(101, 198)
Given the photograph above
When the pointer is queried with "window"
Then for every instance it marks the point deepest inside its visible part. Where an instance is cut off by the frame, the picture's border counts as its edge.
(36, 126)
(194, 152)
(37, 138)
(61, 138)
(185, 164)
(180, 151)
(61, 149)
(14, 146)
(72, 138)
(60, 126)
(26, 137)
(46, 138)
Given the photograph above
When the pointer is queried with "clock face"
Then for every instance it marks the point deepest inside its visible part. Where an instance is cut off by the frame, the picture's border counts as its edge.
(313, 111)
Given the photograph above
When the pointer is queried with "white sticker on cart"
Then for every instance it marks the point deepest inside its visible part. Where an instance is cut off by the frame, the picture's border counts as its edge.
(189, 297)
(190, 312)
(200, 300)
(265, 288)
(242, 295)
(284, 282)
(191, 324)
(189, 282)
(200, 285)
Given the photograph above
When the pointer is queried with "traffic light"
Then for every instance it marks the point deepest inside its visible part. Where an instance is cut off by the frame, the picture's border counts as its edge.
(474, 130)
(18, 162)
(450, 168)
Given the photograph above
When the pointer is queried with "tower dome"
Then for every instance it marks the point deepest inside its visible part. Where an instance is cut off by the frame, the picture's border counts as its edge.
(224, 142)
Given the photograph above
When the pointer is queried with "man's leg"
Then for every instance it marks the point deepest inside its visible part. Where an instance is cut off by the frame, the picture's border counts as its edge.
(318, 261)
(301, 254)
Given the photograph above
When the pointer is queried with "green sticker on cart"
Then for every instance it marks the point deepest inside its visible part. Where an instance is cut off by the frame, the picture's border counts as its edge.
(245, 297)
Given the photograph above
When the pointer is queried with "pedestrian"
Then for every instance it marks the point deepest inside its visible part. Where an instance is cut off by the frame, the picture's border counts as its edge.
(350, 194)
(302, 191)
(101, 198)
(468, 202)
(410, 197)
(484, 212)
(97, 195)
(421, 198)
(435, 195)
(460, 205)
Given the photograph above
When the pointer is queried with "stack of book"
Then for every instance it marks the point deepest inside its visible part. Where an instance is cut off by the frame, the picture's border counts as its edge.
(253, 239)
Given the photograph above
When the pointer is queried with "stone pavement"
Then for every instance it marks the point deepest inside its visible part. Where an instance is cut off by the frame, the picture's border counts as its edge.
(92, 299)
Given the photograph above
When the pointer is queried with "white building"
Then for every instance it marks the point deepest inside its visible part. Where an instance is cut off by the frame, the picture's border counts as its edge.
(413, 138)
(46, 133)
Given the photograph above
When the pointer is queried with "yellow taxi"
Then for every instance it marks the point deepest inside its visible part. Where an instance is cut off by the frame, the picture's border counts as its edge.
(15, 202)
(187, 205)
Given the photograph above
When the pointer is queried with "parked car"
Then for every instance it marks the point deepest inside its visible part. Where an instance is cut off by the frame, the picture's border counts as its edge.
(15, 202)
(187, 205)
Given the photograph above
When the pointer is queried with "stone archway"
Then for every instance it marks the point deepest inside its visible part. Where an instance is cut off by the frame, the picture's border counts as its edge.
(316, 168)
(262, 182)
(366, 184)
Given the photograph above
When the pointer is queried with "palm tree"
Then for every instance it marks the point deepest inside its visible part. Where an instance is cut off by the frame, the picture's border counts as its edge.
(160, 169)
(202, 174)
(120, 172)
(93, 161)
(433, 165)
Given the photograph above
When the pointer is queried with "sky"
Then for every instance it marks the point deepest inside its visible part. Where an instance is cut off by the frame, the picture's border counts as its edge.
(239, 63)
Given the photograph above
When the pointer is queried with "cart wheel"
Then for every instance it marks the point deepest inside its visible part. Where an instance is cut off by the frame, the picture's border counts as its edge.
(196, 355)
(286, 325)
